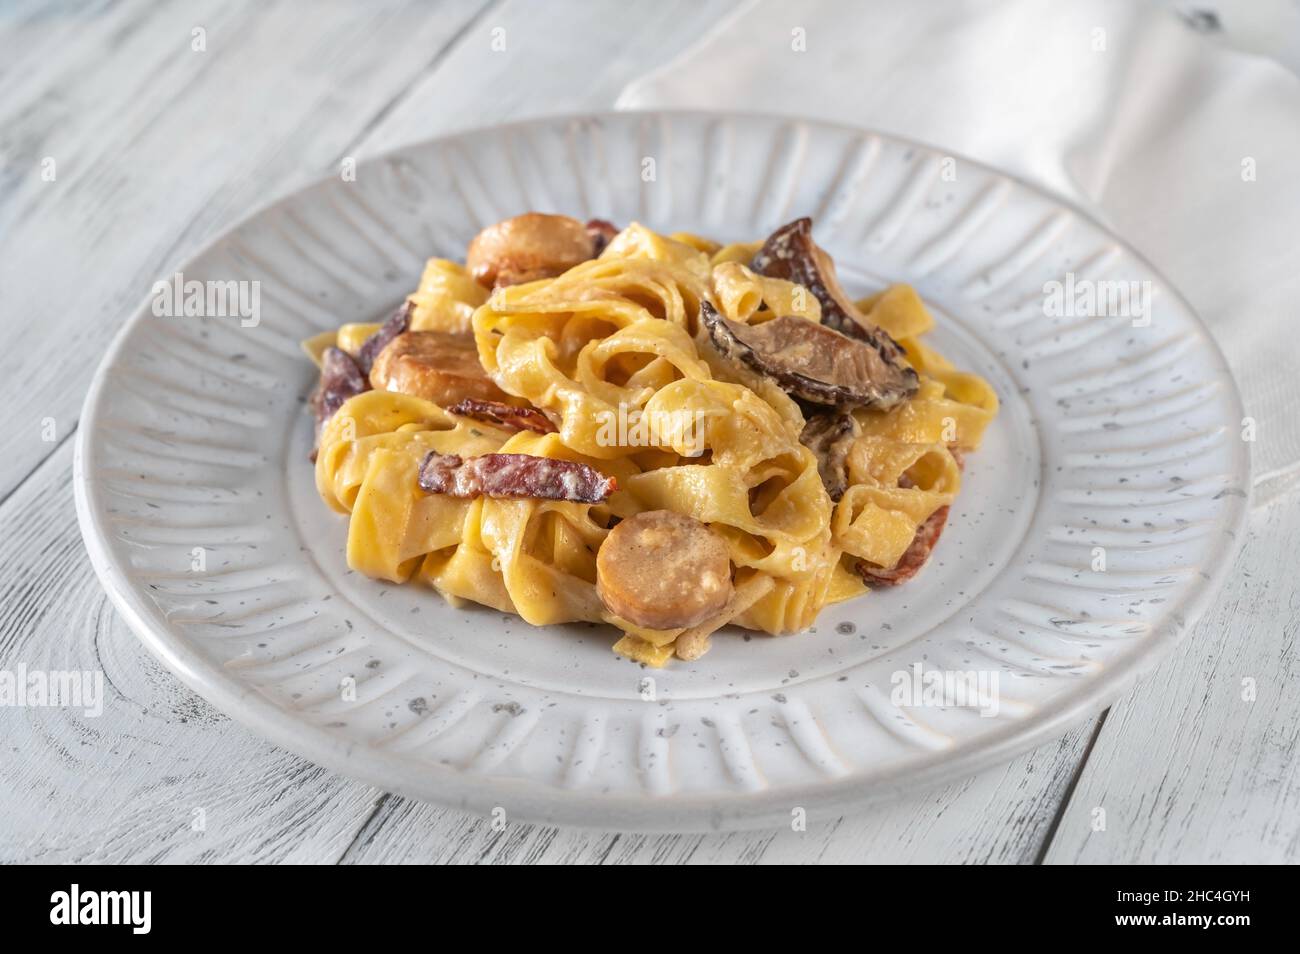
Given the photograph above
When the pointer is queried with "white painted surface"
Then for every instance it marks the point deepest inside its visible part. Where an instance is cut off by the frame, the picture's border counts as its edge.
(126, 109)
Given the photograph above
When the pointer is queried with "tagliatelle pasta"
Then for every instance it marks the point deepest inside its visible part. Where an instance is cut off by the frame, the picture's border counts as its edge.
(615, 352)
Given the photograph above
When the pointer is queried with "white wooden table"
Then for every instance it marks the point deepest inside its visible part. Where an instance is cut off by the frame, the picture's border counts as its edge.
(158, 142)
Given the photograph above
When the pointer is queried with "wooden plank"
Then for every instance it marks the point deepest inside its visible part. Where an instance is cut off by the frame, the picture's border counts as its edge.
(1188, 768)
(157, 147)
(134, 783)
(557, 58)
(997, 817)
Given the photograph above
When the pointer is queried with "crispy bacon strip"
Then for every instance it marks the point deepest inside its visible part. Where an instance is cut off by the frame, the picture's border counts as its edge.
(602, 233)
(913, 558)
(398, 323)
(927, 535)
(340, 379)
(505, 415)
(514, 475)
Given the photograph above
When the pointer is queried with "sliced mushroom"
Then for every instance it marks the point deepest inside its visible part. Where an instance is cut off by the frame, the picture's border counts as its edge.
(791, 253)
(810, 361)
(437, 366)
(830, 434)
(663, 570)
(528, 247)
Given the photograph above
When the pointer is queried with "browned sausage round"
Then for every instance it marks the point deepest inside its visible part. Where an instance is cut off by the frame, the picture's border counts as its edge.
(528, 247)
(439, 367)
(663, 570)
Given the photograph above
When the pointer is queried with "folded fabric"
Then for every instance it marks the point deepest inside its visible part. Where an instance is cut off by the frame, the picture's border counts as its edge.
(1188, 149)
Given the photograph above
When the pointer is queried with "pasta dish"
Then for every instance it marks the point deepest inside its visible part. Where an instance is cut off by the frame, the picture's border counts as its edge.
(652, 431)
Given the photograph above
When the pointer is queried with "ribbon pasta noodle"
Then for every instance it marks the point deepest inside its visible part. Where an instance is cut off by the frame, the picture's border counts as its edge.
(620, 338)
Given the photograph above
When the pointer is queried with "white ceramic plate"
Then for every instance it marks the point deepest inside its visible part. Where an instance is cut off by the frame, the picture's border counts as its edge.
(193, 444)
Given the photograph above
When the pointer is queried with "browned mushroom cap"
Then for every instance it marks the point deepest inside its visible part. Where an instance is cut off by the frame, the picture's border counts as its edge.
(663, 570)
(528, 247)
(830, 434)
(811, 361)
(791, 253)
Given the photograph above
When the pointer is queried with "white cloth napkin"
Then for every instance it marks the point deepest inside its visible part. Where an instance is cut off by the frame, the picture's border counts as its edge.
(1123, 107)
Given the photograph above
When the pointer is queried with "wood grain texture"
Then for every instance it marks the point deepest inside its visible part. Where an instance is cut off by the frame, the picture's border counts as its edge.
(558, 58)
(131, 784)
(1188, 768)
(158, 148)
(999, 816)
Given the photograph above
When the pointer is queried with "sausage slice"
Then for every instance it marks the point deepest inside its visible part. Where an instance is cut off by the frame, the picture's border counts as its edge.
(439, 367)
(663, 570)
(528, 247)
